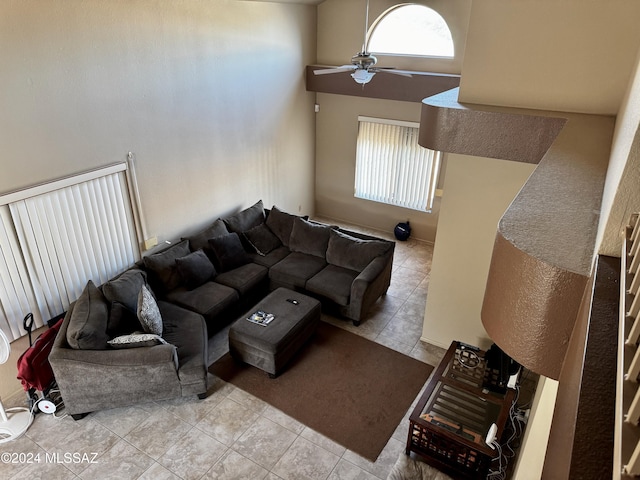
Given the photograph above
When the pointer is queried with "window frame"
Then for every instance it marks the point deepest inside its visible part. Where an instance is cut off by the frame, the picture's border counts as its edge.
(383, 15)
(402, 164)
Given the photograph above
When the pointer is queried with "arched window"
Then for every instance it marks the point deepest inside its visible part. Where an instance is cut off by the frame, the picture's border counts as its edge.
(411, 29)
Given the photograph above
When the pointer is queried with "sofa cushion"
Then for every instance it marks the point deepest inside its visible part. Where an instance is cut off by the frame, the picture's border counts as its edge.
(229, 252)
(334, 283)
(261, 239)
(246, 219)
(125, 288)
(195, 269)
(309, 238)
(200, 240)
(134, 340)
(244, 278)
(209, 299)
(271, 258)
(296, 269)
(281, 224)
(148, 312)
(122, 321)
(351, 252)
(87, 329)
(163, 273)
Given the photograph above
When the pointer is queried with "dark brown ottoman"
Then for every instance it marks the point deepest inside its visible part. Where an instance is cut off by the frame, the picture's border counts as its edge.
(270, 347)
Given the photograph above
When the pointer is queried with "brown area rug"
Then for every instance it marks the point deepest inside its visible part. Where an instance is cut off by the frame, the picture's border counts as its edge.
(348, 388)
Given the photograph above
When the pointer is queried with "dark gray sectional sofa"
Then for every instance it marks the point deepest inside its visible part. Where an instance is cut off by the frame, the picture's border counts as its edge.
(194, 288)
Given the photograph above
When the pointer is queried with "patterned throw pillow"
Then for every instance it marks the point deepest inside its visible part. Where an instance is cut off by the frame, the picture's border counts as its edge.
(148, 312)
(135, 339)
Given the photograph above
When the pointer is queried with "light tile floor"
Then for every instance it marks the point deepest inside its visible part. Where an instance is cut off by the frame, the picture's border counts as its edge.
(230, 434)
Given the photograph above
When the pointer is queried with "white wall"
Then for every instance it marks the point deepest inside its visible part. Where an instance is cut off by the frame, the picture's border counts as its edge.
(530, 458)
(621, 196)
(210, 97)
(337, 121)
(477, 191)
(569, 55)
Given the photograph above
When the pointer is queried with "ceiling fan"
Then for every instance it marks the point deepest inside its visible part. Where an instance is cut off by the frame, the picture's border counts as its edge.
(362, 63)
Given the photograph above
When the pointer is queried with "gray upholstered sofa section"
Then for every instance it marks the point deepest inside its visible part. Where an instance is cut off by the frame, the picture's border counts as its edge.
(258, 250)
(91, 380)
(347, 271)
(200, 284)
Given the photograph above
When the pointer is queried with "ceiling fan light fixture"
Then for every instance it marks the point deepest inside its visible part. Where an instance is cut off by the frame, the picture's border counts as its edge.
(362, 76)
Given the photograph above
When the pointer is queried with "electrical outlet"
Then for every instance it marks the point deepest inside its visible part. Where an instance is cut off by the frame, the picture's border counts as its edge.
(149, 243)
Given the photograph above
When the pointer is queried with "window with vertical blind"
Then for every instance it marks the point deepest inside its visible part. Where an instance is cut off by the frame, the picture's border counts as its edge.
(392, 168)
(56, 237)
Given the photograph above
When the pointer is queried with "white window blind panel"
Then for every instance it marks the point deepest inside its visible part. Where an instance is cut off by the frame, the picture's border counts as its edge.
(16, 296)
(75, 234)
(392, 168)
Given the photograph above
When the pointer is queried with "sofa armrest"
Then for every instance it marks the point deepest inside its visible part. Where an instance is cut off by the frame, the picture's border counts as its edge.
(370, 273)
(124, 357)
(368, 286)
(187, 330)
(92, 380)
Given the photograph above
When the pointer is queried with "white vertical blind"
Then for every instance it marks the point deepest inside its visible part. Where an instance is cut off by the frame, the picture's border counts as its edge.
(16, 296)
(71, 235)
(64, 238)
(392, 168)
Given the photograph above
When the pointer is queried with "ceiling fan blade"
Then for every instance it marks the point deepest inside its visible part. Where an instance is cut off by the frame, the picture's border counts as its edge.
(395, 72)
(343, 68)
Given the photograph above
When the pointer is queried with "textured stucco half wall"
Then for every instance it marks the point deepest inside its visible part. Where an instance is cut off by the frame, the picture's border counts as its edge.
(545, 242)
(545, 247)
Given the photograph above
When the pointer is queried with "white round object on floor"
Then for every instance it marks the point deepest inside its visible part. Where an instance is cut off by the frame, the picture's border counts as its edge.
(47, 406)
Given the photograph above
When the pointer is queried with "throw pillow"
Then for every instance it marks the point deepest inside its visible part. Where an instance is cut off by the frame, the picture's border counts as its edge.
(262, 239)
(137, 339)
(200, 241)
(148, 312)
(281, 224)
(121, 321)
(125, 288)
(164, 275)
(229, 251)
(246, 219)
(195, 269)
(87, 329)
(309, 238)
(351, 252)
